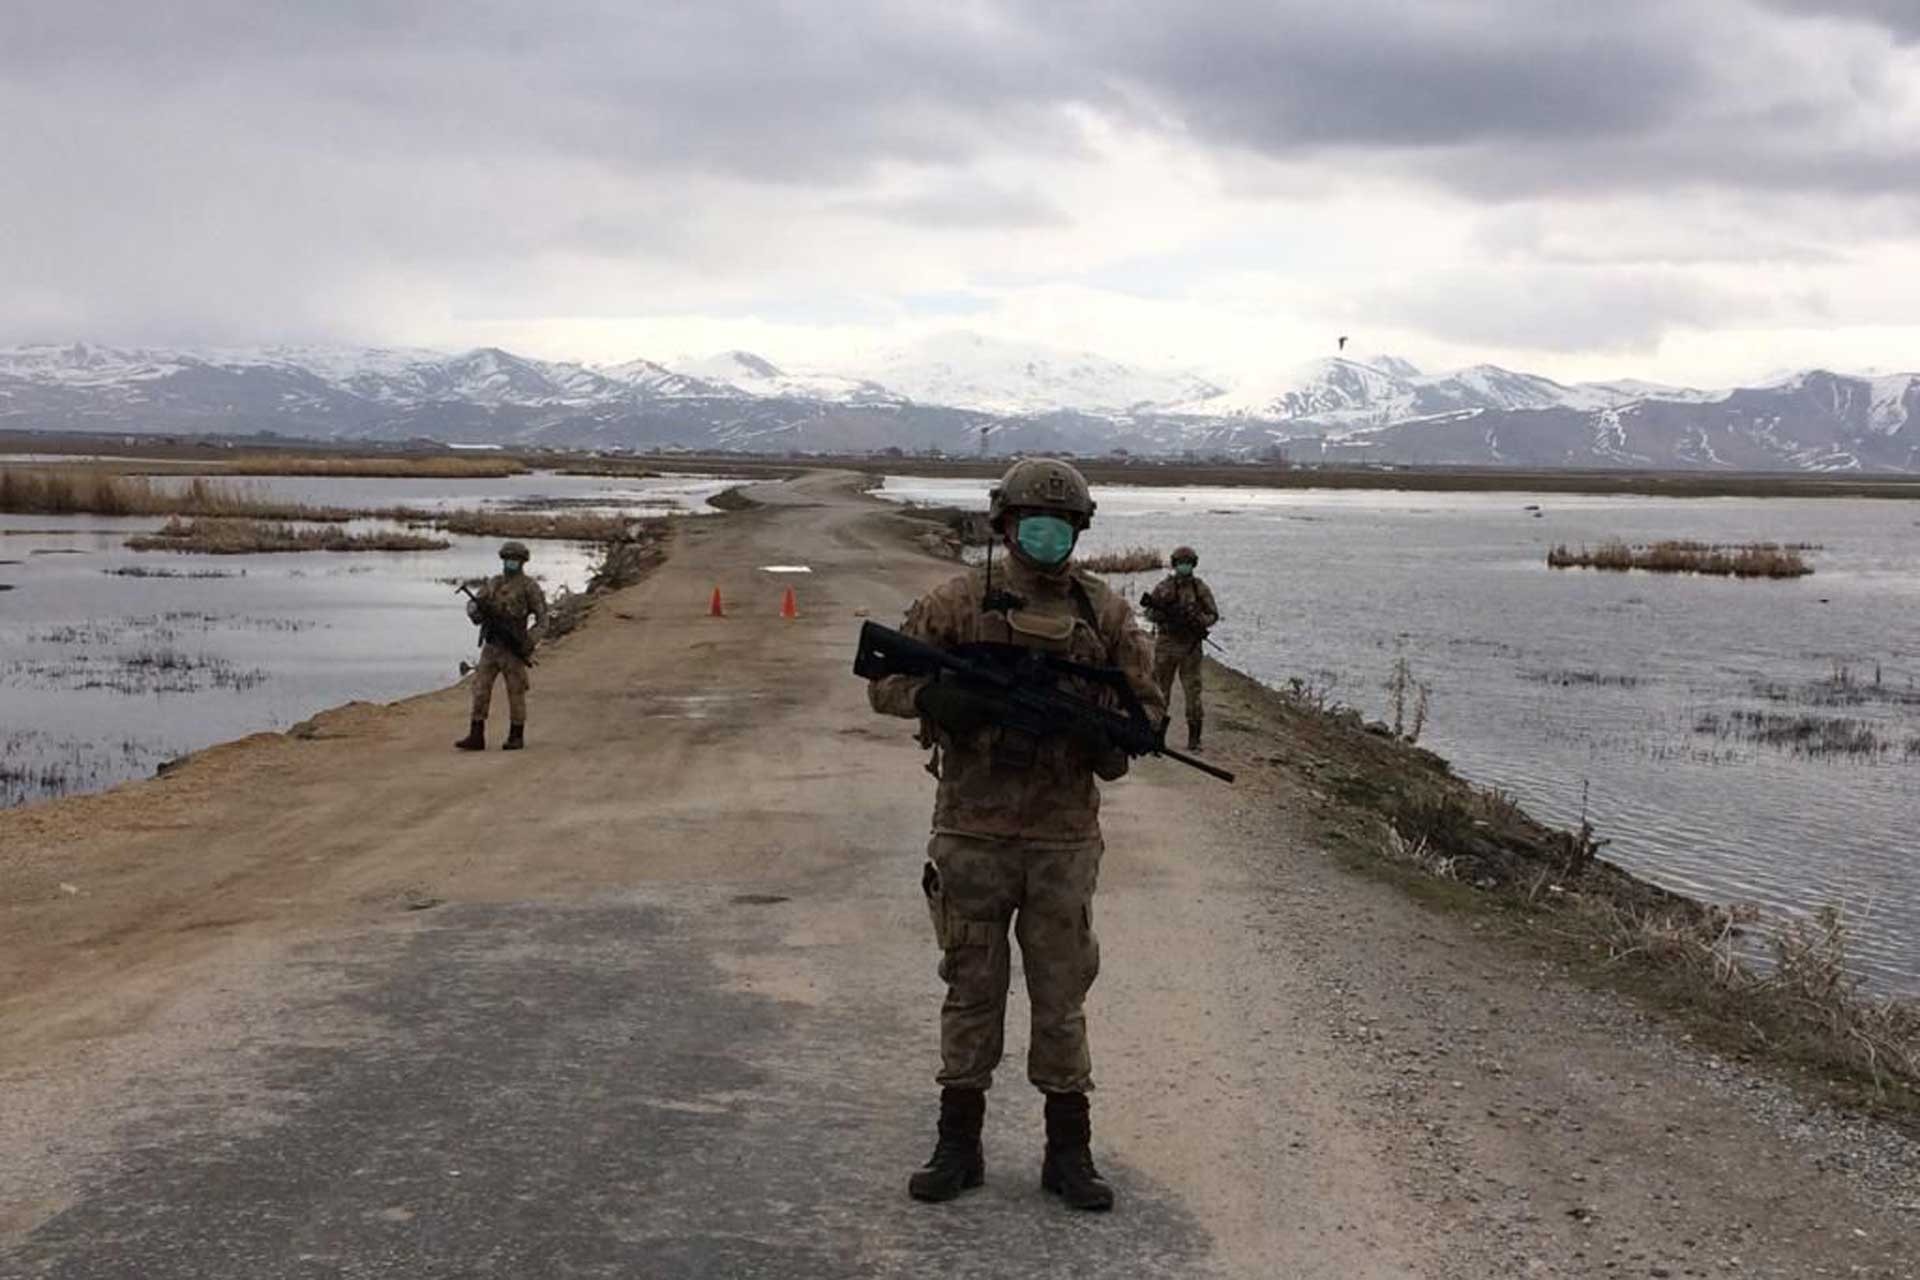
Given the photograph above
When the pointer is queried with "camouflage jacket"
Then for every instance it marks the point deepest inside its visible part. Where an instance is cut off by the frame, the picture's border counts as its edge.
(1182, 608)
(999, 783)
(516, 599)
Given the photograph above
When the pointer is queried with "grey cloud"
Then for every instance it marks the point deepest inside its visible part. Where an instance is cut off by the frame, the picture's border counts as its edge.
(1399, 76)
(227, 162)
(785, 91)
(1902, 17)
(1560, 309)
(1508, 101)
(964, 206)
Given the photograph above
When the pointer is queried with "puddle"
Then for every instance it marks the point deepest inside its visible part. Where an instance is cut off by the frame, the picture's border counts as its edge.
(690, 706)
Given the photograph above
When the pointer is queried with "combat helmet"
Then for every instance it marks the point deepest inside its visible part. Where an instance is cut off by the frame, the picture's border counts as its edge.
(1187, 554)
(1042, 484)
(514, 551)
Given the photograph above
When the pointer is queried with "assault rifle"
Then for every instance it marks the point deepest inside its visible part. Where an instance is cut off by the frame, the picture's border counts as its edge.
(1027, 683)
(495, 629)
(1161, 613)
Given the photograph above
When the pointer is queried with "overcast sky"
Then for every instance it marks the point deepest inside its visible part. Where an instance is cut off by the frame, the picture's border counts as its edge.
(1696, 190)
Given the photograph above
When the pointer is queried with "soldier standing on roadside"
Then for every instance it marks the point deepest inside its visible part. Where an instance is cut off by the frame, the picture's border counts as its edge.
(503, 605)
(1182, 611)
(1016, 832)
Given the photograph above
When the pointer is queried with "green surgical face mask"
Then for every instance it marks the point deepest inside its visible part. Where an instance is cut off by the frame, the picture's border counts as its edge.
(510, 567)
(1184, 569)
(1046, 540)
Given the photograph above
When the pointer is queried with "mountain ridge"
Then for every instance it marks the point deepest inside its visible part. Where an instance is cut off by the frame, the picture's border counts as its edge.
(946, 391)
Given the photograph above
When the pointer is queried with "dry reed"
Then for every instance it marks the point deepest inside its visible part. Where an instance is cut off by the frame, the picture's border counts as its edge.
(571, 526)
(61, 491)
(1742, 560)
(244, 537)
(1131, 560)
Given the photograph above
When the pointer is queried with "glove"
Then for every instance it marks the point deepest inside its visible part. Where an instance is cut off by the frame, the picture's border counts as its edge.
(956, 709)
(473, 611)
(1090, 738)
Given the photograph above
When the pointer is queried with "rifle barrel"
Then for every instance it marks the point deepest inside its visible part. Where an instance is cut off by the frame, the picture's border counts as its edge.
(1195, 763)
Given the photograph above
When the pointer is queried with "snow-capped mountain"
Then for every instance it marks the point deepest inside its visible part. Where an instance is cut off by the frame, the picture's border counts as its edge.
(1813, 421)
(945, 392)
(657, 380)
(1343, 392)
(972, 371)
(758, 376)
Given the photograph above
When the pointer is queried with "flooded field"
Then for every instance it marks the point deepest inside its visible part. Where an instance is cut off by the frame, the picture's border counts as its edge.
(1738, 740)
(113, 661)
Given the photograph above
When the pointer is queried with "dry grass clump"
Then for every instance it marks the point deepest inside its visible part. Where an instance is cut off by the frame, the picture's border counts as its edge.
(1807, 1003)
(244, 537)
(1131, 560)
(624, 563)
(1739, 560)
(609, 467)
(571, 526)
(62, 491)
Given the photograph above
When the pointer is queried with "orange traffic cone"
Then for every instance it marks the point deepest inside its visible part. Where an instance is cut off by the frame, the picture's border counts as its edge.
(789, 607)
(714, 609)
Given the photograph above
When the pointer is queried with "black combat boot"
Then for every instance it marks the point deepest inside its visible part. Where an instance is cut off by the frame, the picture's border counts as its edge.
(516, 738)
(957, 1162)
(1068, 1170)
(476, 739)
(1193, 735)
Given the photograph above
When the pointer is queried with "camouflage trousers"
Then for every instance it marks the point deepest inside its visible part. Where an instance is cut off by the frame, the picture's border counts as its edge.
(1187, 658)
(976, 889)
(496, 661)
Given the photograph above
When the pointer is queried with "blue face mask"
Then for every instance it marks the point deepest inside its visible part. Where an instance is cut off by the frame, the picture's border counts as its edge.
(1183, 568)
(1046, 540)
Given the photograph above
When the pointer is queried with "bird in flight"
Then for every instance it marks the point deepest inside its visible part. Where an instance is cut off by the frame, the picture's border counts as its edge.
(1343, 342)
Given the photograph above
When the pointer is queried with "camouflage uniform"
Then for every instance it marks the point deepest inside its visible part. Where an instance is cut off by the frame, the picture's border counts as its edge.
(1016, 826)
(1178, 645)
(517, 597)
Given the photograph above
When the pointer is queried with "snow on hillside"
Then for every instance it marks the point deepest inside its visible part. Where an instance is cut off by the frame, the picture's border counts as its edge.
(1367, 391)
(80, 364)
(1334, 390)
(972, 371)
(760, 377)
(336, 365)
(1626, 390)
(1895, 397)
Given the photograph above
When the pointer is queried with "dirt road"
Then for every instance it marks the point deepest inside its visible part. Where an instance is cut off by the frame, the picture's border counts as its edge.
(656, 997)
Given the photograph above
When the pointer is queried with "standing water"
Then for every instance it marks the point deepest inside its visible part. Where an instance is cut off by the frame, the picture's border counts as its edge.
(1735, 740)
(113, 661)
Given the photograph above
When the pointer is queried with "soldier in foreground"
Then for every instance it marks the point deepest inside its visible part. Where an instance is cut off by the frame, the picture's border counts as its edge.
(501, 608)
(1016, 831)
(1183, 611)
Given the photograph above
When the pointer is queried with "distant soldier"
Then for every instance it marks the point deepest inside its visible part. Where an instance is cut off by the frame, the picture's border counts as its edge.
(501, 608)
(1016, 828)
(1183, 612)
